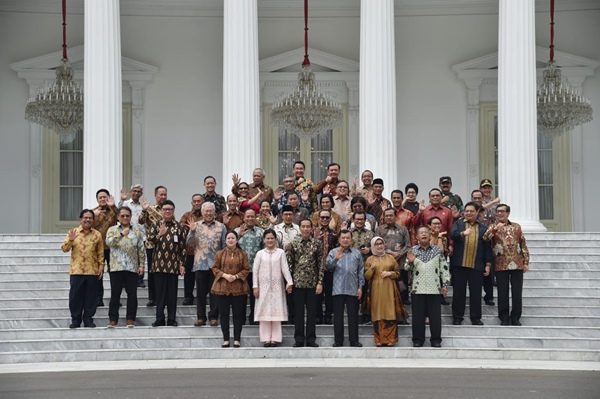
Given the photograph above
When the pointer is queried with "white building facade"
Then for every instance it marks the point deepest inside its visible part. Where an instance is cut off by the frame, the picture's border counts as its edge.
(427, 91)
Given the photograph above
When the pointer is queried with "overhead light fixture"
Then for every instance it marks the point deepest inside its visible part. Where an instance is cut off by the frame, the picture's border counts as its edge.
(306, 112)
(59, 105)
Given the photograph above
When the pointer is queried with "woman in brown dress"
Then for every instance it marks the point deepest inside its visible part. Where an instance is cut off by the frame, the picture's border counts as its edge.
(381, 271)
(231, 268)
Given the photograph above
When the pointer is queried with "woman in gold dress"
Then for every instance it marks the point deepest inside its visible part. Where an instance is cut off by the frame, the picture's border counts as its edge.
(385, 304)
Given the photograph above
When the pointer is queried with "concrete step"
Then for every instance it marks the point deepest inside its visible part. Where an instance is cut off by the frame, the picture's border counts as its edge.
(28, 259)
(323, 352)
(101, 319)
(140, 331)
(251, 339)
(32, 237)
(534, 244)
(52, 312)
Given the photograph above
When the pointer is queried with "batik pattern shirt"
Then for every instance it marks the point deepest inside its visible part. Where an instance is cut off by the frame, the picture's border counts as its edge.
(286, 234)
(348, 272)
(509, 247)
(207, 240)
(169, 249)
(328, 237)
(127, 253)
(218, 200)
(105, 220)
(396, 239)
(376, 208)
(430, 272)
(190, 216)
(312, 196)
(306, 262)
(149, 218)
(251, 242)
(136, 211)
(362, 239)
(87, 252)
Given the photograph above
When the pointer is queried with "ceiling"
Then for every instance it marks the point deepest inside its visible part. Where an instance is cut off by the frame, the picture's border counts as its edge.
(291, 8)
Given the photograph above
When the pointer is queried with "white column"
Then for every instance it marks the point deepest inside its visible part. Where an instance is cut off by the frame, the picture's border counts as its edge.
(517, 114)
(353, 129)
(378, 150)
(103, 131)
(241, 91)
(473, 101)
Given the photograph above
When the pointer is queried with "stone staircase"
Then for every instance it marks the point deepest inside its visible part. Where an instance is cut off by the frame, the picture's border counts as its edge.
(561, 316)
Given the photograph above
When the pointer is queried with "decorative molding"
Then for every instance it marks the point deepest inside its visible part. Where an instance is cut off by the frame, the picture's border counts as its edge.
(317, 57)
(290, 8)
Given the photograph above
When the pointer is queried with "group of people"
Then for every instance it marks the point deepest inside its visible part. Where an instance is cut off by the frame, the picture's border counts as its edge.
(302, 253)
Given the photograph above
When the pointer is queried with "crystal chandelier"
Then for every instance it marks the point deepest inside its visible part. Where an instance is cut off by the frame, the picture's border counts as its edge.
(306, 112)
(559, 107)
(59, 105)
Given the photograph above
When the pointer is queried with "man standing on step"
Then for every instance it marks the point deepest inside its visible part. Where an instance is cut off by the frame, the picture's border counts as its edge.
(135, 204)
(471, 260)
(511, 260)
(87, 266)
(105, 216)
(168, 238)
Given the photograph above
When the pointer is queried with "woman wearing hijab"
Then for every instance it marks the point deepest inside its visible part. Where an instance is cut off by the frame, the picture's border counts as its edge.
(381, 271)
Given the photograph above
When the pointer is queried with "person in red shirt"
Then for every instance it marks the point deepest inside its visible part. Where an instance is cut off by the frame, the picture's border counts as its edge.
(435, 208)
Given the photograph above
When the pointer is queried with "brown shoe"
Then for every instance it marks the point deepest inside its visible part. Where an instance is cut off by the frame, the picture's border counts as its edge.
(200, 323)
(214, 323)
(112, 324)
(130, 323)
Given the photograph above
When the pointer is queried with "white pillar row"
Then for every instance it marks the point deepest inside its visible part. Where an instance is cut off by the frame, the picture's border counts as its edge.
(353, 130)
(517, 113)
(241, 91)
(377, 115)
(103, 130)
(473, 110)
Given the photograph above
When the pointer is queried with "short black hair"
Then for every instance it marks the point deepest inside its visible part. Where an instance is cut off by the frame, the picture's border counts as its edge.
(431, 219)
(83, 212)
(362, 200)
(269, 231)
(210, 177)
(299, 162)
(158, 188)
(169, 202)
(124, 208)
(413, 186)
(102, 190)
(327, 196)
(397, 192)
(334, 164)
(306, 220)
(435, 189)
(390, 209)
(476, 191)
(505, 206)
(473, 204)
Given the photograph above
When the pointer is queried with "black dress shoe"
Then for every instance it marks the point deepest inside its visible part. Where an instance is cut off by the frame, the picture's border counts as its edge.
(490, 302)
(298, 344)
(356, 344)
(100, 304)
(417, 344)
(456, 322)
(226, 345)
(436, 345)
(403, 323)
(188, 302)
(172, 323)
(516, 323)
(337, 344)
(74, 325)
(89, 325)
(445, 302)
(151, 304)
(407, 302)
(319, 321)
(504, 323)
(477, 322)
(158, 324)
(328, 320)
(312, 345)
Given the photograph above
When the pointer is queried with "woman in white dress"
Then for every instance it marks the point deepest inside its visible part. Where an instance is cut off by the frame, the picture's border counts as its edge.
(270, 269)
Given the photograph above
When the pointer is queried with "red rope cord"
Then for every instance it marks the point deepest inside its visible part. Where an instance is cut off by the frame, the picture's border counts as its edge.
(64, 15)
(551, 30)
(306, 60)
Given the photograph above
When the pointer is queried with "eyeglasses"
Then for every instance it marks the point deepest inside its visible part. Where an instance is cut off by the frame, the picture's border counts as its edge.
(168, 209)
(324, 217)
(243, 188)
(124, 216)
(501, 211)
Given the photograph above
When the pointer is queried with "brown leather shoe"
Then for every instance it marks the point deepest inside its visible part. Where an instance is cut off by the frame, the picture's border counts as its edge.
(200, 323)
(112, 324)
(214, 323)
(130, 323)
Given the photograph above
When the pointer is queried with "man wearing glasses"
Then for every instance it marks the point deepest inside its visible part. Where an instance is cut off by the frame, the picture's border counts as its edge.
(329, 238)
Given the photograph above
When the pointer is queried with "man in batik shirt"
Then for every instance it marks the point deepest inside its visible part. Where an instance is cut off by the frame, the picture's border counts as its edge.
(189, 279)
(376, 202)
(329, 238)
(251, 241)
(210, 184)
(105, 217)
(511, 260)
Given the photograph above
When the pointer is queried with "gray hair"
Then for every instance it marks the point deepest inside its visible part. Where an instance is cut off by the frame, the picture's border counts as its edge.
(262, 171)
(207, 204)
(138, 186)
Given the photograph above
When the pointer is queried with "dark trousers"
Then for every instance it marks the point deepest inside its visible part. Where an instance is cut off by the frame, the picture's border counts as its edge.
(488, 286)
(83, 298)
(151, 285)
(461, 276)
(189, 278)
(305, 298)
(514, 278)
(237, 303)
(252, 299)
(118, 281)
(423, 306)
(351, 304)
(101, 283)
(404, 278)
(166, 295)
(326, 296)
(204, 282)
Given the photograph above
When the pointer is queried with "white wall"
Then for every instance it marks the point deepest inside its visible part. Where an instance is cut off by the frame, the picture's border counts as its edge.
(183, 107)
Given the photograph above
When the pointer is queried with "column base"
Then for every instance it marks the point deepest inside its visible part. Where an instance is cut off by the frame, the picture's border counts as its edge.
(531, 226)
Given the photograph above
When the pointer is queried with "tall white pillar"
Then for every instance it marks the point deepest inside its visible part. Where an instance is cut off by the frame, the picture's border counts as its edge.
(241, 96)
(377, 115)
(517, 113)
(103, 130)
